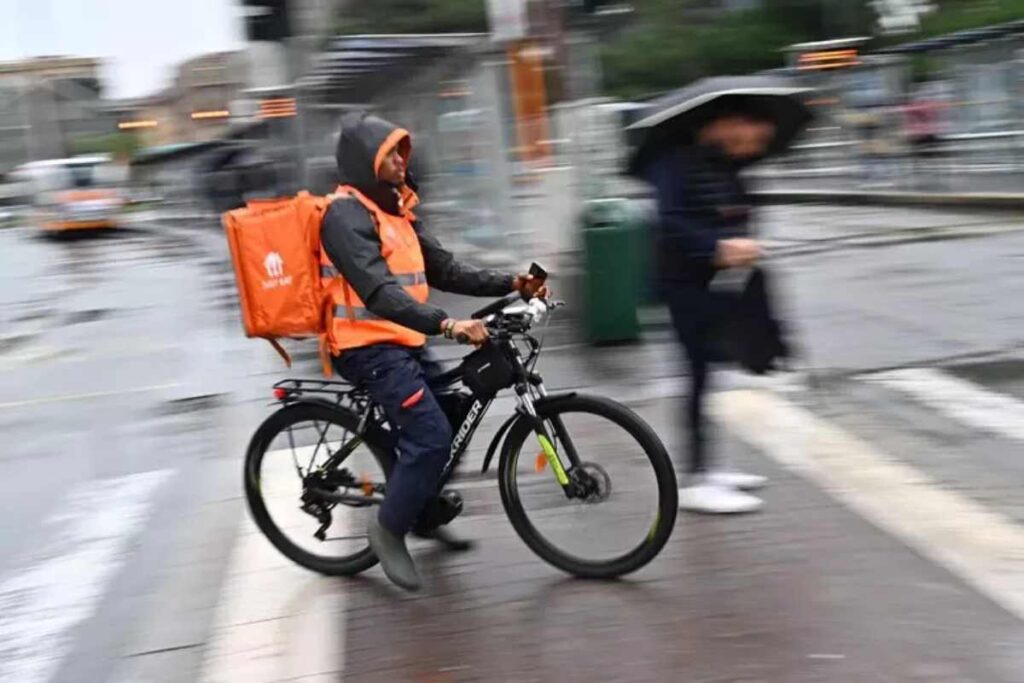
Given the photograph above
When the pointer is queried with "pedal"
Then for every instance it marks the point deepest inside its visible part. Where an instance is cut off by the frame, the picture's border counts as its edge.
(439, 512)
(450, 506)
(448, 540)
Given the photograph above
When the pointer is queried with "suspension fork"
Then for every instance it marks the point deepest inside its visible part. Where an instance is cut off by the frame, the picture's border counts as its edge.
(530, 383)
(527, 408)
(561, 433)
(544, 437)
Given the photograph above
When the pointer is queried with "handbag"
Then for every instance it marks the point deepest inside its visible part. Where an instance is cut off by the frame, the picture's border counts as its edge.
(744, 328)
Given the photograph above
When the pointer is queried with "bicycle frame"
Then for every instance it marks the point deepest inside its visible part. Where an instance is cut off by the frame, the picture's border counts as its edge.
(529, 390)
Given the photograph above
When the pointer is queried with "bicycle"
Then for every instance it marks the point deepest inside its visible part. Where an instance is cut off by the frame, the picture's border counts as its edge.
(348, 450)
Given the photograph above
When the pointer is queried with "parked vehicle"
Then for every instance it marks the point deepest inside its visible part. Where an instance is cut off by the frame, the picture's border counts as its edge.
(83, 192)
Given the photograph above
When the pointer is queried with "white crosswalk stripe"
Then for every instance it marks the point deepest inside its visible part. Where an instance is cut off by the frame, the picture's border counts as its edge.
(983, 547)
(60, 586)
(274, 620)
(967, 402)
(274, 617)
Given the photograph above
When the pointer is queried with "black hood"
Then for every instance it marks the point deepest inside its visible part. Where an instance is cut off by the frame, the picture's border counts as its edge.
(362, 142)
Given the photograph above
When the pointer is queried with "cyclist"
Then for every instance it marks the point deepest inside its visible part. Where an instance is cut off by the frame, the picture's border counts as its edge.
(384, 266)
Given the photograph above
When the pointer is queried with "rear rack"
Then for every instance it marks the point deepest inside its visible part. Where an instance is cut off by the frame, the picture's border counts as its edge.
(293, 388)
(344, 395)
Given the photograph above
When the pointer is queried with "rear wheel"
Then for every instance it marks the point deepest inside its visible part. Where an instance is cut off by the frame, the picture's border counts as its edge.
(296, 456)
(627, 498)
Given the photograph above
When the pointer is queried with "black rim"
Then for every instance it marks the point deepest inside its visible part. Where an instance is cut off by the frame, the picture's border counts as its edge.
(311, 480)
(638, 555)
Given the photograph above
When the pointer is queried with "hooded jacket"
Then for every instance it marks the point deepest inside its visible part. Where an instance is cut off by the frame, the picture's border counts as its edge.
(350, 238)
(701, 200)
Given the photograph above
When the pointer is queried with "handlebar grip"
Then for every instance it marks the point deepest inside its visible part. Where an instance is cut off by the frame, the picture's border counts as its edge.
(462, 338)
(496, 306)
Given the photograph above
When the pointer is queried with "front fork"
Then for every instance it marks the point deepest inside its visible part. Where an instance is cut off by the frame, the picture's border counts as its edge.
(544, 438)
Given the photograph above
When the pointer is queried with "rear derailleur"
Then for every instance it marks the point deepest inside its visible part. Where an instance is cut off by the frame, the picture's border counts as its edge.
(319, 496)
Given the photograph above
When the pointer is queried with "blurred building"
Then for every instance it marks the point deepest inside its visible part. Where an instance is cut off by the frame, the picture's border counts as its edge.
(196, 107)
(203, 91)
(46, 103)
(228, 125)
(141, 116)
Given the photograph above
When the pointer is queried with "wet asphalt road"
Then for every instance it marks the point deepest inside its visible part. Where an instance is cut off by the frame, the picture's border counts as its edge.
(121, 356)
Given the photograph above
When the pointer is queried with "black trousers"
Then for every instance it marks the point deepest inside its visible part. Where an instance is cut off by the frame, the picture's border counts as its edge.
(693, 309)
(397, 378)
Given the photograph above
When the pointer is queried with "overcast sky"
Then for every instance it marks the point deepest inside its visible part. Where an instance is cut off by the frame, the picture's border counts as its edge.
(140, 41)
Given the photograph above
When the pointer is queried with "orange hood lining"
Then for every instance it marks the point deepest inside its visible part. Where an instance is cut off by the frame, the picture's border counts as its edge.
(394, 137)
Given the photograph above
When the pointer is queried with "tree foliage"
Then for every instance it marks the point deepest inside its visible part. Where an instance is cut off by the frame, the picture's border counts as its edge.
(671, 43)
(412, 16)
(960, 15)
(668, 43)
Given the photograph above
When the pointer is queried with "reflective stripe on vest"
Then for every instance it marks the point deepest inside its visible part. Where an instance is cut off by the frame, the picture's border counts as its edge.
(353, 325)
(404, 280)
(358, 313)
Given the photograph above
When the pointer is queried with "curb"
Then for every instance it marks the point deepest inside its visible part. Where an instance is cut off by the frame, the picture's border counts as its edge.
(977, 200)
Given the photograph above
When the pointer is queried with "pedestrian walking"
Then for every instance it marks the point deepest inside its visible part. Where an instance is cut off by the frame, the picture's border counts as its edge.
(691, 149)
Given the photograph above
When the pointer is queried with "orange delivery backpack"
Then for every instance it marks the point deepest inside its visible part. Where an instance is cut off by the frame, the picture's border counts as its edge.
(275, 251)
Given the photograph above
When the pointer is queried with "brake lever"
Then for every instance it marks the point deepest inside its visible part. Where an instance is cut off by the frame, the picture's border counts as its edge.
(541, 307)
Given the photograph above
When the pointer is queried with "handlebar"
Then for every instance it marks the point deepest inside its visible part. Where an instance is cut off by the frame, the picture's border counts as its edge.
(515, 321)
(496, 306)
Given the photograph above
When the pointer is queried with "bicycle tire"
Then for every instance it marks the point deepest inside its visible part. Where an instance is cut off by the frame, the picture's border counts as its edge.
(261, 440)
(667, 508)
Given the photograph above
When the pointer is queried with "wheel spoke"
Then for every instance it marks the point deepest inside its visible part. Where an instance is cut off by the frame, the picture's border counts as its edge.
(295, 458)
(344, 448)
(320, 440)
(288, 514)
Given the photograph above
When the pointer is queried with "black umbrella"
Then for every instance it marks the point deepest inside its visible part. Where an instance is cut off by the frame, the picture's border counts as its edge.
(675, 118)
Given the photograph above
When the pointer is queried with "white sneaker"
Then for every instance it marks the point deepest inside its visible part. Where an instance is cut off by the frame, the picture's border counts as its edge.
(741, 481)
(714, 499)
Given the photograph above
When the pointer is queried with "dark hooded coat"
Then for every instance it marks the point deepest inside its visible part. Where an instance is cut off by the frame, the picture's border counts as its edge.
(350, 239)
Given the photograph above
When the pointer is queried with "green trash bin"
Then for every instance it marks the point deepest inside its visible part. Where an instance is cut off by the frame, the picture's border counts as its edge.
(612, 249)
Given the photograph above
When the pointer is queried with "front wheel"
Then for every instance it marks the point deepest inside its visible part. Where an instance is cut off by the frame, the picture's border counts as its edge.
(624, 504)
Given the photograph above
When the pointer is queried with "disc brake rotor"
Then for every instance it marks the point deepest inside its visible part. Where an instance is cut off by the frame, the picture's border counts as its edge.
(594, 483)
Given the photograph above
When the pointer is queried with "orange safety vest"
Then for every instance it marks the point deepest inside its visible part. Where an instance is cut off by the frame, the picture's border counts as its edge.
(353, 325)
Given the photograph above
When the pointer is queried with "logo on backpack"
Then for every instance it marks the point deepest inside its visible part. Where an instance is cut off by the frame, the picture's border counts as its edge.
(274, 265)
